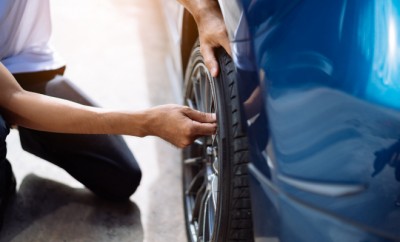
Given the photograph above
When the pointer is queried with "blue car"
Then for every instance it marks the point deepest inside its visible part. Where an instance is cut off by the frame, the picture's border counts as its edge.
(308, 107)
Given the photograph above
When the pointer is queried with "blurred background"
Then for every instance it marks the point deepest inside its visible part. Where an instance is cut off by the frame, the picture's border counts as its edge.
(118, 53)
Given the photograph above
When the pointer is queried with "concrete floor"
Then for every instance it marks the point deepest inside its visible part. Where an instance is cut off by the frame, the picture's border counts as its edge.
(115, 50)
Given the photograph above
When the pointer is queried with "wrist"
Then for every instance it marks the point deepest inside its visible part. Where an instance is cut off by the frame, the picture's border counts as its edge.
(147, 119)
(130, 123)
(201, 9)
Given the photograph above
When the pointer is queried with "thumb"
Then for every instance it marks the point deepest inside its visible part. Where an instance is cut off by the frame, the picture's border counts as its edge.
(226, 45)
(210, 60)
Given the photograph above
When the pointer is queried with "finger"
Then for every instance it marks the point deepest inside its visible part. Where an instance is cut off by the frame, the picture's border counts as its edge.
(201, 117)
(226, 45)
(210, 60)
(204, 128)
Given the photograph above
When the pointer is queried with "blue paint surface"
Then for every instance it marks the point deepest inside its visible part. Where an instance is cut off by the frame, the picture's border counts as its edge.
(320, 85)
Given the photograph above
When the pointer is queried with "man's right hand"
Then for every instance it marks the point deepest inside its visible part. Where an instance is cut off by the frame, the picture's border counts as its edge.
(179, 125)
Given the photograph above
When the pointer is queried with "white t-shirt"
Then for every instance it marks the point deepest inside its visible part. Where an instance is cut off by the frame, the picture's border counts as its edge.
(25, 29)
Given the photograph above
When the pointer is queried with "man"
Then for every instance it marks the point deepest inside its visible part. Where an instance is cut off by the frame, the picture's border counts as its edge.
(75, 135)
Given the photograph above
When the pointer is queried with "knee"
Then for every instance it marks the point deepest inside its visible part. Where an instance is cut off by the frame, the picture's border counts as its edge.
(133, 178)
(122, 186)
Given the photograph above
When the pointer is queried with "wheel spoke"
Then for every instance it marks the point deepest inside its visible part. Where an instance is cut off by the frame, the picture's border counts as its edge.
(213, 109)
(207, 95)
(197, 96)
(200, 89)
(193, 161)
(199, 141)
(203, 83)
(210, 217)
(198, 203)
(190, 103)
(213, 95)
(203, 214)
(214, 192)
(196, 183)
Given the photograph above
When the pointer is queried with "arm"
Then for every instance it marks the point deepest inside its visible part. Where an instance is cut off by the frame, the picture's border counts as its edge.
(177, 124)
(212, 30)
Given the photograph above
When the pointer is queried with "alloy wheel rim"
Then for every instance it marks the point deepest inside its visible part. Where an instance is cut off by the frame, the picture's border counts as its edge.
(200, 165)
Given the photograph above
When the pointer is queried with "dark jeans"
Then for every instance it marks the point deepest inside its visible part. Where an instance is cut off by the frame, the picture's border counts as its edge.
(4, 130)
(103, 163)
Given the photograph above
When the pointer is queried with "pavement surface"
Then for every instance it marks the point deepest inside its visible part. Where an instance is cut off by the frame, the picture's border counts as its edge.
(115, 52)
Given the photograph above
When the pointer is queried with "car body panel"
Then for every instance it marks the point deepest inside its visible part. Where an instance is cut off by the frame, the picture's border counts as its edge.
(326, 136)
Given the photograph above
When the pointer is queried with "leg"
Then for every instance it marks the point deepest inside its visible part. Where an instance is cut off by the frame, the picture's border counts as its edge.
(103, 163)
(4, 130)
(7, 179)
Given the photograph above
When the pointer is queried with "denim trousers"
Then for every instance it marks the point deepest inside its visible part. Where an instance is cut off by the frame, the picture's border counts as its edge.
(4, 130)
(103, 163)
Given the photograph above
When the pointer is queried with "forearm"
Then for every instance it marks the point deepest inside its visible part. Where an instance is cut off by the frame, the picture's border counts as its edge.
(46, 113)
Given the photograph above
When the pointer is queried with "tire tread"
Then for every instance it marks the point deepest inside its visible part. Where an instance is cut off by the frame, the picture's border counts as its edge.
(240, 229)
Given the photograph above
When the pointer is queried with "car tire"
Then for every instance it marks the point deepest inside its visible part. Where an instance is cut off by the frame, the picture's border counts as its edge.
(215, 181)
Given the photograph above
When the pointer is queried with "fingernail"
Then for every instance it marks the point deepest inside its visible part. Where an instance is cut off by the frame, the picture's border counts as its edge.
(214, 116)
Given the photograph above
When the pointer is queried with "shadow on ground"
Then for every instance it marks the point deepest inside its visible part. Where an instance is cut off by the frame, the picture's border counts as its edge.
(45, 210)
